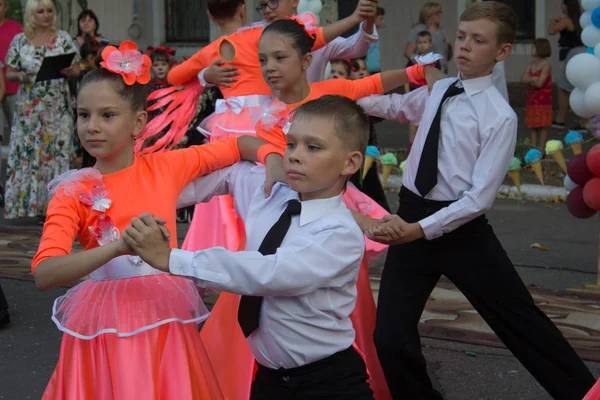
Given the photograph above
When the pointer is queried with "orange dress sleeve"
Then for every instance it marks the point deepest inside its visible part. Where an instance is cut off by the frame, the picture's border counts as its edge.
(320, 41)
(352, 89)
(190, 68)
(63, 218)
(274, 136)
(187, 164)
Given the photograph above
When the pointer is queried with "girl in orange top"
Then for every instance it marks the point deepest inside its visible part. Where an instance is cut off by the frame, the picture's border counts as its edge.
(284, 53)
(129, 332)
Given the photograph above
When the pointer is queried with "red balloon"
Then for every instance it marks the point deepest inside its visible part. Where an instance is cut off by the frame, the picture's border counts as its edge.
(576, 205)
(578, 170)
(591, 194)
(592, 160)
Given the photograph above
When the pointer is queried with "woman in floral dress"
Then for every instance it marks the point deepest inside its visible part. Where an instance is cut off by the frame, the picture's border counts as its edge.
(42, 131)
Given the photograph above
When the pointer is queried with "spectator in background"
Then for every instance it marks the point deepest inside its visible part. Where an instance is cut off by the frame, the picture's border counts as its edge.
(430, 18)
(569, 45)
(88, 25)
(42, 132)
(373, 55)
(8, 30)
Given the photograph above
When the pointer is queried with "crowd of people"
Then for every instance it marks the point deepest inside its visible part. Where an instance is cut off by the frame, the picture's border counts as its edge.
(265, 156)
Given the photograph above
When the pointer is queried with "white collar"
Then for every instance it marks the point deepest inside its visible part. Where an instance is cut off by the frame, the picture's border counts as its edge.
(476, 85)
(315, 209)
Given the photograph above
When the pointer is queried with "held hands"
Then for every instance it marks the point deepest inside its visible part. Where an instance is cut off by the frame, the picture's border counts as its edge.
(71, 72)
(432, 75)
(274, 172)
(392, 230)
(218, 75)
(149, 239)
(365, 9)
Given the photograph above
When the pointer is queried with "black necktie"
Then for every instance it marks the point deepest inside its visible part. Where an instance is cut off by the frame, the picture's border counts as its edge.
(249, 310)
(427, 173)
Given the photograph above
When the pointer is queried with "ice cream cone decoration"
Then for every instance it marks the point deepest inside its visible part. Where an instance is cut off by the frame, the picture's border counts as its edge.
(574, 139)
(389, 161)
(533, 158)
(371, 155)
(514, 172)
(554, 148)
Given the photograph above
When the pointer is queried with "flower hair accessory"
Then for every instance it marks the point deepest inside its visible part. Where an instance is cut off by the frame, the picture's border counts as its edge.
(308, 21)
(128, 62)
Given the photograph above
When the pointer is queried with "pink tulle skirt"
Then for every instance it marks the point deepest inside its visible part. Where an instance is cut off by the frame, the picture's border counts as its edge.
(234, 116)
(167, 362)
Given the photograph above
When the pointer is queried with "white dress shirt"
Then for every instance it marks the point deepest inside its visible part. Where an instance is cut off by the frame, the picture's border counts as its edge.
(403, 108)
(477, 143)
(354, 46)
(499, 78)
(309, 284)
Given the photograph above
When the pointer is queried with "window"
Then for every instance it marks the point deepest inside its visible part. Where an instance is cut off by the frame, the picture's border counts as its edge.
(187, 21)
(525, 12)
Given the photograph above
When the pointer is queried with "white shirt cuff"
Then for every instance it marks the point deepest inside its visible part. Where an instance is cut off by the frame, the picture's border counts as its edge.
(370, 37)
(430, 227)
(202, 80)
(181, 262)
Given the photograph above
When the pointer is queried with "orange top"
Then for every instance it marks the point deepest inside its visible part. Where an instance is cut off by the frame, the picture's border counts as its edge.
(151, 184)
(341, 87)
(245, 42)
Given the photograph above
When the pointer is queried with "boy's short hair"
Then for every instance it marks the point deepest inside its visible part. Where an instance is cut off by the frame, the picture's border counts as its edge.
(497, 12)
(348, 118)
(542, 47)
(380, 11)
(426, 34)
(224, 9)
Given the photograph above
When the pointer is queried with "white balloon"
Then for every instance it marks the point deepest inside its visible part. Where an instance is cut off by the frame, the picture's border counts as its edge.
(589, 5)
(311, 6)
(577, 102)
(590, 36)
(569, 184)
(583, 70)
(597, 50)
(585, 19)
(592, 98)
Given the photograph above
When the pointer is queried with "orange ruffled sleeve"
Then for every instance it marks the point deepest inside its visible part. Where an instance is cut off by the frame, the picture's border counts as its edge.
(187, 164)
(60, 229)
(320, 41)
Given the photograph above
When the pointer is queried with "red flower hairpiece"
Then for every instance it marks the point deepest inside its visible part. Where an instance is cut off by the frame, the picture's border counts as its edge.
(170, 52)
(128, 62)
(307, 21)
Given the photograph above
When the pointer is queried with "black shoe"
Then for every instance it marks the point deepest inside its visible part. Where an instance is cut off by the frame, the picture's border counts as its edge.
(4, 317)
(558, 125)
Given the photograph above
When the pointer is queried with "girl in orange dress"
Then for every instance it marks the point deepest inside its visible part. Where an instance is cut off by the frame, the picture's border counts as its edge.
(538, 77)
(284, 54)
(129, 331)
(216, 223)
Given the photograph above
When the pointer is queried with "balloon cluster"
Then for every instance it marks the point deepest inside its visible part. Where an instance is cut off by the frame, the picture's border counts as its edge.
(311, 6)
(583, 70)
(583, 183)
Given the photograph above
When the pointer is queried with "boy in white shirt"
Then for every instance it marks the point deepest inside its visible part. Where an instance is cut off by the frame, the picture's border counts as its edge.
(465, 142)
(300, 332)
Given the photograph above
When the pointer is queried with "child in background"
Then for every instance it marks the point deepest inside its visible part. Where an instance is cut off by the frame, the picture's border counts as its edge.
(538, 77)
(424, 44)
(161, 65)
(340, 69)
(359, 68)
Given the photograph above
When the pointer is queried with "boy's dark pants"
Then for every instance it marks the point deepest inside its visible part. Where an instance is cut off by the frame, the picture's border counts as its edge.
(338, 377)
(474, 260)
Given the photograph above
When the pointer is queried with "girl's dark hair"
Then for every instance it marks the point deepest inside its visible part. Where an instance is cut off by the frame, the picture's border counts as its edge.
(301, 40)
(89, 47)
(574, 12)
(160, 55)
(542, 47)
(345, 63)
(135, 94)
(92, 15)
(355, 64)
